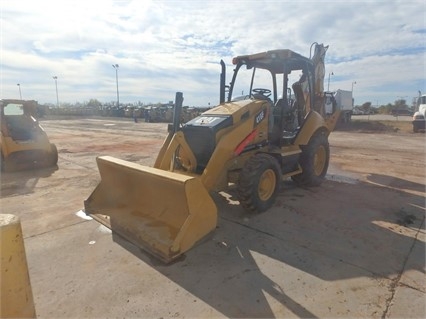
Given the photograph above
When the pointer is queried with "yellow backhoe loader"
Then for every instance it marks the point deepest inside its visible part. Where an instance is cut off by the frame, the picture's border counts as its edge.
(251, 141)
(24, 144)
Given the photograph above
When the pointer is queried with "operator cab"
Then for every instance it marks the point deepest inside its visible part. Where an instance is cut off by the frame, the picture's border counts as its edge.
(283, 78)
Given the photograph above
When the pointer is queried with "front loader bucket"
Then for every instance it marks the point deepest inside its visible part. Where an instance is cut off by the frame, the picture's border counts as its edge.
(163, 212)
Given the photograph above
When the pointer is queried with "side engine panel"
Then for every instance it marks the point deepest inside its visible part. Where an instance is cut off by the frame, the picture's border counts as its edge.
(200, 134)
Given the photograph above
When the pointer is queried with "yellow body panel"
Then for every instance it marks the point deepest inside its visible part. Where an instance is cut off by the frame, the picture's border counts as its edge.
(15, 286)
(9, 146)
(232, 108)
(240, 115)
(313, 122)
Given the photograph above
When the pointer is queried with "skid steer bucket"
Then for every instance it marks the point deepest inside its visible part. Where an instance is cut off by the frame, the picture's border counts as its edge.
(162, 212)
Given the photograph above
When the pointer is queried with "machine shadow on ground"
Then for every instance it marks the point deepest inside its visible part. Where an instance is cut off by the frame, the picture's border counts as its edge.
(396, 182)
(23, 182)
(309, 232)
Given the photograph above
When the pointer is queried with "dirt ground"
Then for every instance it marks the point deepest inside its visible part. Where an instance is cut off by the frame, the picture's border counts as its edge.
(353, 247)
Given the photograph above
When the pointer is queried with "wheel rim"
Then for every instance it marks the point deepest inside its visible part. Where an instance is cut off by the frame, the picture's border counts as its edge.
(319, 160)
(267, 184)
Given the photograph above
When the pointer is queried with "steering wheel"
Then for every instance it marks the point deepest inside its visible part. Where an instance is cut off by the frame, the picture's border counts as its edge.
(264, 92)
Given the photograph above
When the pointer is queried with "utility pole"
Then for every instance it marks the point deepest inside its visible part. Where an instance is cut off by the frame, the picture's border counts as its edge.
(57, 96)
(20, 94)
(328, 87)
(115, 66)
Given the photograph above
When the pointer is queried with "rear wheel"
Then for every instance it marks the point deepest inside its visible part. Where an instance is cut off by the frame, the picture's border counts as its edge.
(259, 183)
(53, 158)
(314, 161)
(8, 164)
(346, 118)
(415, 129)
(1, 162)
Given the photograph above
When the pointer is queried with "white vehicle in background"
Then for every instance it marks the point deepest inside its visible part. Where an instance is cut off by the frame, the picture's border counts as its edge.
(419, 117)
(339, 100)
(357, 111)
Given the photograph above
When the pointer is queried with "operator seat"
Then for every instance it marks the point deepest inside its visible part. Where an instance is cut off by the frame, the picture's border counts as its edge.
(300, 103)
(284, 126)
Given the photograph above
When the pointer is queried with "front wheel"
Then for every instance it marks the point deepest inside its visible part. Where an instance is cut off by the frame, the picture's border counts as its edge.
(259, 183)
(314, 161)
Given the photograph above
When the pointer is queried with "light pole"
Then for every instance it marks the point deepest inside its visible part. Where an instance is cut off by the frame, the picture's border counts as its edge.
(57, 96)
(328, 87)
(353, 100)
(19, 86)
(115, 66)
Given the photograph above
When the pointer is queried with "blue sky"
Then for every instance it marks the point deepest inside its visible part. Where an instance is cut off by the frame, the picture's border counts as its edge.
(167, 46)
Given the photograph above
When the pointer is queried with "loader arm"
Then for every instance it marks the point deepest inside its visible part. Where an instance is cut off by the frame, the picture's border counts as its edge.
(176, 148)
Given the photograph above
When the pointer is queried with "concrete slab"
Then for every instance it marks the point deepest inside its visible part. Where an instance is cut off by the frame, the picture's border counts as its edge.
(370, 236)
(408, 303)
(77, 271)
(415, 268)
(409, 299)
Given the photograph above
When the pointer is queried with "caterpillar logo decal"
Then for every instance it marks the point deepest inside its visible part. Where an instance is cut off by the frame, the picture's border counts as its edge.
(259, 117)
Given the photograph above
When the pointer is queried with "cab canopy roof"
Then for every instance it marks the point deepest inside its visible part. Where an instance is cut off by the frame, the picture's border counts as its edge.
(5, 102)
(274, 61)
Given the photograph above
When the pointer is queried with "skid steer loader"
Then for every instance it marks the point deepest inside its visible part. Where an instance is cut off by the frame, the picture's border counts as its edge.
(251, 141)
(24, 144)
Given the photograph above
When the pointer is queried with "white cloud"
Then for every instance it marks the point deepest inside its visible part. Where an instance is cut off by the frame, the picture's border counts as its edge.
(168, 46)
